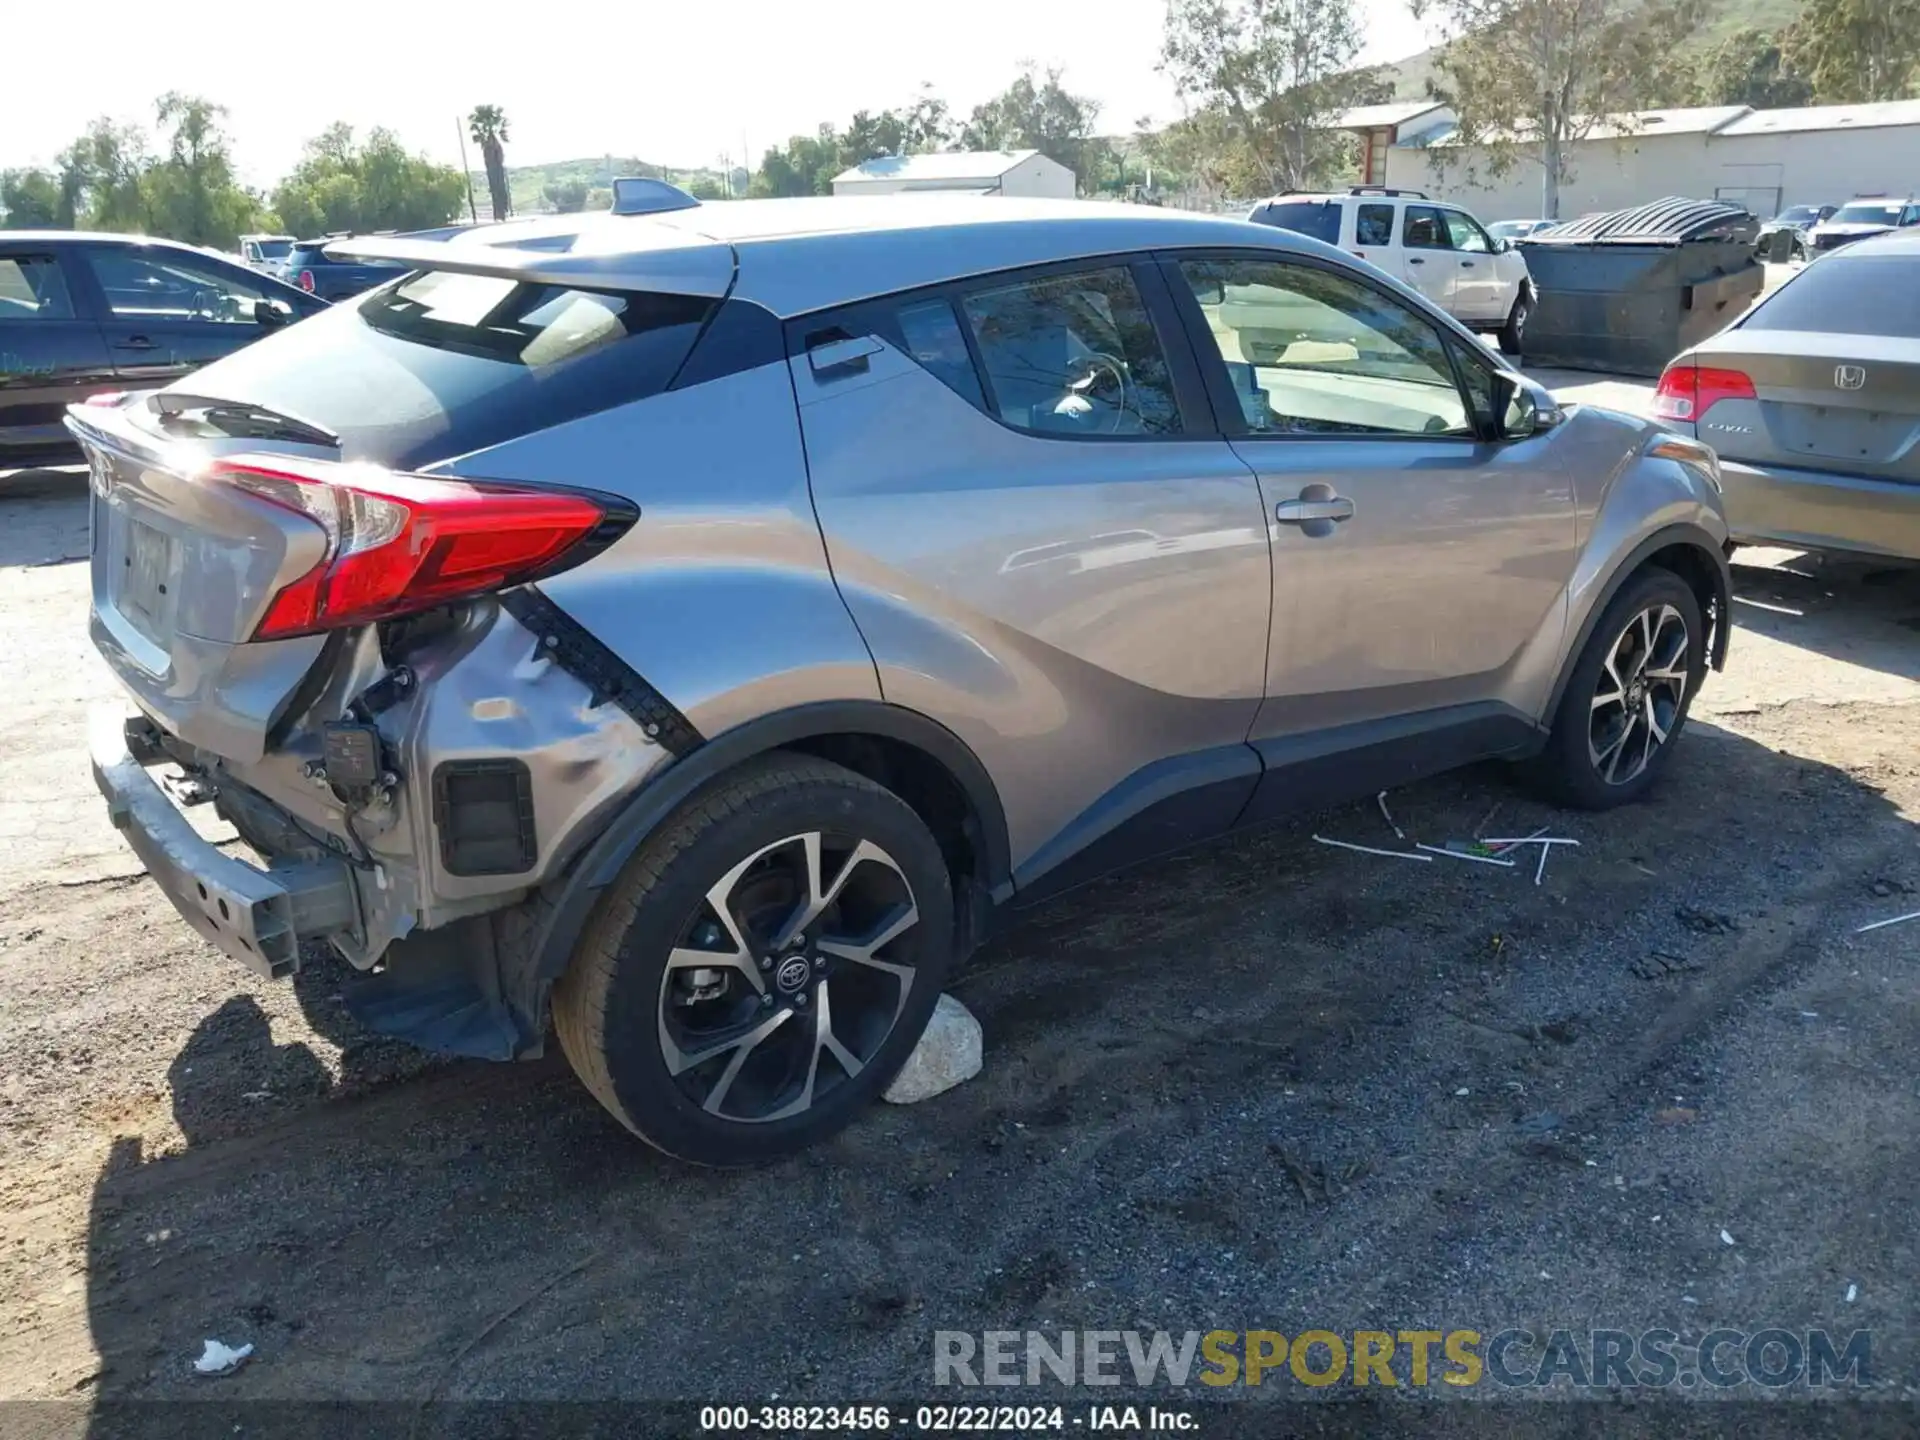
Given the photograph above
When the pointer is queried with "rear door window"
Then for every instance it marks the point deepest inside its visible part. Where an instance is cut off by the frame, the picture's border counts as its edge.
(32, 288)
(1074, 354)
(1319, 219)
(1425, 228)
(1373, 225)
(931, 333)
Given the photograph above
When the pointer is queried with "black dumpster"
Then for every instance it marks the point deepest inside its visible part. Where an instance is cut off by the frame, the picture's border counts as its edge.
(1629, 290)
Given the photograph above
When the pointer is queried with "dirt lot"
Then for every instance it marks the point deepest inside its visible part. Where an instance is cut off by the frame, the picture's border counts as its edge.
(1271, 1084)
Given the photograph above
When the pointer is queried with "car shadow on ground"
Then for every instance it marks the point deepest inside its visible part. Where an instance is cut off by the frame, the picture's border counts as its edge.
(1859, 609)
(1264, 1080)
(43, 516)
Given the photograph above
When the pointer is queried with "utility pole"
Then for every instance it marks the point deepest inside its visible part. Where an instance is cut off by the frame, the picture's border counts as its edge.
(460, 134)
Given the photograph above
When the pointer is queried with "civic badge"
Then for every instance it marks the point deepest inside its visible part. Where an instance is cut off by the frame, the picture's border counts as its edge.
(1849, 377)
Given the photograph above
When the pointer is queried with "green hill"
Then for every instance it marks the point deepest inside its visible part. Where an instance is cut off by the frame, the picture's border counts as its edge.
(528, 183)
(1724, 18)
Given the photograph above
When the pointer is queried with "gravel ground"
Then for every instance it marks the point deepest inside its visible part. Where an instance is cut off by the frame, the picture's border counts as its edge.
(1269, 1084)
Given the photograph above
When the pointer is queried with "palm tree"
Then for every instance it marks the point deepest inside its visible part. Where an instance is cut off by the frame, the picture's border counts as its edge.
(488, 126)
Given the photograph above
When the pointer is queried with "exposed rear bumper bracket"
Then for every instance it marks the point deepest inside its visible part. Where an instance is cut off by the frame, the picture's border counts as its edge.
(258, 917)
(577, 652)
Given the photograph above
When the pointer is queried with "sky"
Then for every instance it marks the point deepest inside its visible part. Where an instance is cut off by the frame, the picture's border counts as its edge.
(678, 86)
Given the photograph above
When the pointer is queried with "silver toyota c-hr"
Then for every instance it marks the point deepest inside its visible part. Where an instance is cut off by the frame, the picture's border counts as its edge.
(696, 626)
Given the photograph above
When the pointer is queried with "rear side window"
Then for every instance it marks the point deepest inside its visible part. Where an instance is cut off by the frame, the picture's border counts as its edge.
(1847, 295)
(1319, 219)
(932, 336)
(1373, 225)
(443, 364)
(1074, 355)
(32, 288)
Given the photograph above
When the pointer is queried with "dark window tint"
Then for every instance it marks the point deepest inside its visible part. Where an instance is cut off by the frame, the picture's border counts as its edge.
(445, 363)
(1317, 218)
(932, 336)
(1373, 225)
(1847, 295)
(1074, 354)
(159, 285)
(1424, 228)
(32, 288)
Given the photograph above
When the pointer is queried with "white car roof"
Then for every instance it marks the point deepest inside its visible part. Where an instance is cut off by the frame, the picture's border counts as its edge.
(797, 256)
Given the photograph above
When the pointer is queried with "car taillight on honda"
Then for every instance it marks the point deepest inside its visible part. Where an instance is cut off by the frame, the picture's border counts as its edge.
(399, 543)
(1686, 392)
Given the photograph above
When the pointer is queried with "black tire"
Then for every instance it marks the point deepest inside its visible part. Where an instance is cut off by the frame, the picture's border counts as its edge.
(1513, 334)
(613, 1007)
(1567, 770)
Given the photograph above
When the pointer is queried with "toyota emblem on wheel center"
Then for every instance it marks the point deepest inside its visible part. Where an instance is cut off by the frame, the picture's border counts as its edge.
(793, 973)
(1849, 377)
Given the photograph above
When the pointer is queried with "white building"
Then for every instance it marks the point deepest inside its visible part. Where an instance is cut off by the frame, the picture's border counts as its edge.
(1763, 159)
(1025, 173)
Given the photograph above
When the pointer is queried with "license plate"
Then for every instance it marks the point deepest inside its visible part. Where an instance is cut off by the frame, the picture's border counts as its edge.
(146, 576)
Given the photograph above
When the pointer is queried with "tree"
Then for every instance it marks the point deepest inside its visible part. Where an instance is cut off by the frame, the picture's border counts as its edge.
(340, 184)
(1273, 74)
(1527, 78)
(488, 126)
(29, 200)
(1748, 68)
(1855, 51)
(1036, 114)
(102, 178)
(192, 194)
(566, 196)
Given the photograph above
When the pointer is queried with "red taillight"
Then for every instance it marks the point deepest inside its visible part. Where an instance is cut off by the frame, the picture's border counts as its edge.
(1687, 392)
(306, 281)
(398, 544)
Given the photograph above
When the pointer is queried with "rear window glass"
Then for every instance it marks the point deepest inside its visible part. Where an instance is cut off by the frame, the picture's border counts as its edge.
(933, 337)
(1847, 295)
(1319, 219)
(443, 364)
(1870, 212)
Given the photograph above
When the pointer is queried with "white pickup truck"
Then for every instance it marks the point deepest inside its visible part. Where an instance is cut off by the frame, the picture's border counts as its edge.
(1438, 249)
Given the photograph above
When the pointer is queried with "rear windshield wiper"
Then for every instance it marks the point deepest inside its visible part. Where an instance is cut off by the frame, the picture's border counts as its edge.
(240, 420)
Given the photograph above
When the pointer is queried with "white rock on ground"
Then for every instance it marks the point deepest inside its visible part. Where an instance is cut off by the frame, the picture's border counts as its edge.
(948, 1053)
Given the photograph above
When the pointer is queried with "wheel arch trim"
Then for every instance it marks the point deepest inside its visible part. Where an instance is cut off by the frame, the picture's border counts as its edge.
(1665, 538)
(571, 900)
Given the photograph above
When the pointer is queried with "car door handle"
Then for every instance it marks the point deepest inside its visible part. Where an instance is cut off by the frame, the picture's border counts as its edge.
(1299, 512)
(1415, 260)
(134, 342)
(1466, 264)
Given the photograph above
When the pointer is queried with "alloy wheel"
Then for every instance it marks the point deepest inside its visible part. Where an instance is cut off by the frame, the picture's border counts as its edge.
(1637, 699)
(789, 977)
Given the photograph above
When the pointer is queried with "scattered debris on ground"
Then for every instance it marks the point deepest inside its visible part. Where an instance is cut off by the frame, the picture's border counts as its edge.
(219, 1359)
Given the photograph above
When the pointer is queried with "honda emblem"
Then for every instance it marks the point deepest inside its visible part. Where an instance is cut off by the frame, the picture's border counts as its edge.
(1849, 377)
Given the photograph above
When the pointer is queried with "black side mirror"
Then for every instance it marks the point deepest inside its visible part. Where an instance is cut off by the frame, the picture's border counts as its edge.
(1524, 408)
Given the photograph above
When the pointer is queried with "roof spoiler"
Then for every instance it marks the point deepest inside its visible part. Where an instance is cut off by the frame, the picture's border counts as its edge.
(667, 261)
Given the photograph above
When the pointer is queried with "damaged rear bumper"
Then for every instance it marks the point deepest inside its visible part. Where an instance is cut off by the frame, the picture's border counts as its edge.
(259, 917)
